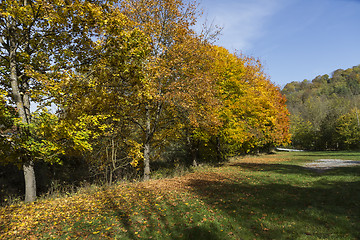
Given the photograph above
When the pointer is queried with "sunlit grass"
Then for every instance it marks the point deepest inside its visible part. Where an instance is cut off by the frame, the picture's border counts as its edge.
(264, 197)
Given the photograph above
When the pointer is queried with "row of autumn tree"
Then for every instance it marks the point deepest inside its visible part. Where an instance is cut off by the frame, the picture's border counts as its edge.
(122, 83)
(325, 112)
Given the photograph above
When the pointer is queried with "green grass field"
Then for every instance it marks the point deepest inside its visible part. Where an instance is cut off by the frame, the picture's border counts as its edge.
(264, 197)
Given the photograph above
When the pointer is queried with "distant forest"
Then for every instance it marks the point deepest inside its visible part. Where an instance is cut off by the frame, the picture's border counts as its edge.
(325, 111)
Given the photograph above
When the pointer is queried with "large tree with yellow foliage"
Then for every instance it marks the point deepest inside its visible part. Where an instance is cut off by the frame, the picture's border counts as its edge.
(253, 111)
(41, 44)
(175, 75)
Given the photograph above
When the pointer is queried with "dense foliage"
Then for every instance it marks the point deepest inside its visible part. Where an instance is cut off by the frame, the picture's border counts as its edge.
(325, 112)
(120, 84)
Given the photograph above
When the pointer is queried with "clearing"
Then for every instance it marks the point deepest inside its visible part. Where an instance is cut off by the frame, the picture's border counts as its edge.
(266, 197)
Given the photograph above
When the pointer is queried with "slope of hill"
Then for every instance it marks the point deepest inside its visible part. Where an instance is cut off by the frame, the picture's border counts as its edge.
(325, 111)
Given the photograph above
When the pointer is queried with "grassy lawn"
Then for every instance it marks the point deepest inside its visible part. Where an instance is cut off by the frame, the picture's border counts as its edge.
(264, 197)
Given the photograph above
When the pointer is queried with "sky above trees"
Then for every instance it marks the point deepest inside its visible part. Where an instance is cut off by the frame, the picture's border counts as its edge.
(294, 39)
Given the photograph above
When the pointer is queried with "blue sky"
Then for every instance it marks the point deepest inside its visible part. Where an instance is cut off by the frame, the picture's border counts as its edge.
(294, 39)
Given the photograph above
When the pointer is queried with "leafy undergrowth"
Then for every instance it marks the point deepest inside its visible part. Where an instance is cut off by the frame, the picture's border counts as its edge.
(267, 197)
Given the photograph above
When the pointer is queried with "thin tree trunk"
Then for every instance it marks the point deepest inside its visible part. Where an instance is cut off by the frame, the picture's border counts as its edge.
(147, 145)
(26, 101)
(146, 161)
(113, 161)
(110, 178)
(193, 150)
(194, 163)
(107, 165)
(218, 149)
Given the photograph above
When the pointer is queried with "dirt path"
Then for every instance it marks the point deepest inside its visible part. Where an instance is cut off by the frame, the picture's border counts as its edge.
(324, 164)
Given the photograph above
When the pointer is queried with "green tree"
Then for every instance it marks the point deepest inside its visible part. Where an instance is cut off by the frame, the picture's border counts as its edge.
(321, 102)
(348, 128)
(304, 135)
(39, 41)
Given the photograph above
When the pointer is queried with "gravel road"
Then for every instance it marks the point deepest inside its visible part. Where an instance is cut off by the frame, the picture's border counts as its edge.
(324, 164)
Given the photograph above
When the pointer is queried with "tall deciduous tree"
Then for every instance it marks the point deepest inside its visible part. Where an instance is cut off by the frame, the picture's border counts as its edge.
(348, 129)
(44, 38)
(171, 81)
(108, 93)
(253, 110)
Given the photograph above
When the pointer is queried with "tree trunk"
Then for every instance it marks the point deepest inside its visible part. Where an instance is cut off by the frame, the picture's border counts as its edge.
(194, 163)
(30, 183)
(147, 145)
(218, 150)
(113, 161)
(146, 161)
(193, 150)
(28, 167)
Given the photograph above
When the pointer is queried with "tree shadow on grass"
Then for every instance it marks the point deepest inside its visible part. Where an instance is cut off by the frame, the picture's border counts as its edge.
(265, 210)
(279, 168)
(300, 170)
(285, 211)
(199, 232)
(164, 218)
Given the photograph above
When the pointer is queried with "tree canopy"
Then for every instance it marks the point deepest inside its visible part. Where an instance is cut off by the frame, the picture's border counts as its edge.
(120, 84)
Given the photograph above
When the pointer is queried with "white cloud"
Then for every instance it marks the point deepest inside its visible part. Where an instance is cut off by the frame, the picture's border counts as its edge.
(242, 20)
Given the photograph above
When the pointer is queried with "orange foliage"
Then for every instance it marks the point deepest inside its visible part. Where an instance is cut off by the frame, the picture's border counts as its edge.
(253, 110)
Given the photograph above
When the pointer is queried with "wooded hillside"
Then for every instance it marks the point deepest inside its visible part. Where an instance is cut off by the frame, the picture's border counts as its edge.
(325, 112)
